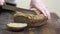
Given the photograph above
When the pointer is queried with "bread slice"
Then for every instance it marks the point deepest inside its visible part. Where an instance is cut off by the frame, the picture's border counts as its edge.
(16, 26)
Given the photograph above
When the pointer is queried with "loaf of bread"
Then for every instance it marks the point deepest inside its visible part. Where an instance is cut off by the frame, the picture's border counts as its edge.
(29, 18)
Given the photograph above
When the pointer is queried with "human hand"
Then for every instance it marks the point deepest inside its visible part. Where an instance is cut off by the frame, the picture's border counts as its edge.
(1, 2)
(40, 6)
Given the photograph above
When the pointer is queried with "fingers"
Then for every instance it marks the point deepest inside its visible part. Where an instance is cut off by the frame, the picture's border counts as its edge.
(39, 5)
(1, 2)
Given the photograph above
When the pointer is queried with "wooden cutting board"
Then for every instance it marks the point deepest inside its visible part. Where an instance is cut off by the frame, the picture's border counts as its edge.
(52, 27)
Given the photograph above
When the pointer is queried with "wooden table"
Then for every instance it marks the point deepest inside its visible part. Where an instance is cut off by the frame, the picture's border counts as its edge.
(52, 26)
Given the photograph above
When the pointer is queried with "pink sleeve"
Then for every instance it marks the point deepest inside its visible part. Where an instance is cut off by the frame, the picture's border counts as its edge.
(39, 4)
(1, 2)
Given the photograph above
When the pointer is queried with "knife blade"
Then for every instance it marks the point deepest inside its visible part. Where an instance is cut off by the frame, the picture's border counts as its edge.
(13, 8)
